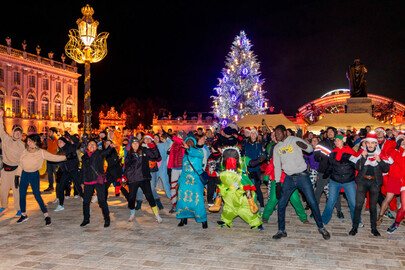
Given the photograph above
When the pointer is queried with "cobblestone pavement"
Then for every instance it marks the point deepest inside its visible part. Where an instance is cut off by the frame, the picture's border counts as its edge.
(144, 244)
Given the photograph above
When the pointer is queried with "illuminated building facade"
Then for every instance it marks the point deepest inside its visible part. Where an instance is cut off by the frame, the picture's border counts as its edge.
(185, 122)
(384, 109)
(112, 119)
(36, 92)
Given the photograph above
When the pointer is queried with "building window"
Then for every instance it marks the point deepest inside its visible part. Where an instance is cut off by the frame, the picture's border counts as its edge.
(31, 81)
(58, 110)
(1, 75)
(69, 110)
(31, 130)
(16, 103)
(17, 78)
(58, 87)
(45, 106)
(45, 84)
(1, 100)
(70, 91)
(31, 105)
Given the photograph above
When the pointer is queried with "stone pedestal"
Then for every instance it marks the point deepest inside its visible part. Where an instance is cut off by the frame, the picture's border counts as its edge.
(359, 105)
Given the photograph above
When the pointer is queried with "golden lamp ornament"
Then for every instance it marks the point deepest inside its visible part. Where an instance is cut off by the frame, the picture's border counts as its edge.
(84, 44)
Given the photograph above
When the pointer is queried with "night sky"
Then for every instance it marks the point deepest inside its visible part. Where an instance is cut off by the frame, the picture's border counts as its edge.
(175, 50)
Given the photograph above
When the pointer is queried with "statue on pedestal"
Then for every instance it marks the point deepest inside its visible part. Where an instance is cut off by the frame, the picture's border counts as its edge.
(357, 81)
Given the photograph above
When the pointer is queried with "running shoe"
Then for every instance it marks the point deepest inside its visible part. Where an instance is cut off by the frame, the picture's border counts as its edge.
(392, 228)
(22, 219)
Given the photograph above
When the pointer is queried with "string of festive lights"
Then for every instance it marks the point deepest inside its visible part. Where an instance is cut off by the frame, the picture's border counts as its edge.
(239, 91)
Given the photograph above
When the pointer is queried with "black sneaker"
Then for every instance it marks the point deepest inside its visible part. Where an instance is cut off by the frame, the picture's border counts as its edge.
(107, 223)
(375, 232)
(48, 221)
(22, 219)
(325, 233)
(173, 210)
(353, 231)
(49, 189)
(279, 235)
(340, 215)
(84, 223)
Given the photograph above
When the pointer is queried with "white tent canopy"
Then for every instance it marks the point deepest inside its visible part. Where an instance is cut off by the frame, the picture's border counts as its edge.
(272, 120)
(347, 121)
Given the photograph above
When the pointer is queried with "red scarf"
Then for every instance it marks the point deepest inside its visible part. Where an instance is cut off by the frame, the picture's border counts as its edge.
(89, 153)
(344, 149)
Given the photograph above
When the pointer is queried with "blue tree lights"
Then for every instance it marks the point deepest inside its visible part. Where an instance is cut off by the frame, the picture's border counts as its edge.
(239, 91)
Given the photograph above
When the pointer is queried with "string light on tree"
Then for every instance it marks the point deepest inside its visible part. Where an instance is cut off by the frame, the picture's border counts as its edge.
(239, 91)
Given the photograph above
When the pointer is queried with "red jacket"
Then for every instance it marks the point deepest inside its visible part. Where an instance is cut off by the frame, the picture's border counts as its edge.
(176, 154)
(397, 169)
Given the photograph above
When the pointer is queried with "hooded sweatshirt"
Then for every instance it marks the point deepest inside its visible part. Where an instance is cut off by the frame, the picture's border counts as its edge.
(12, 149)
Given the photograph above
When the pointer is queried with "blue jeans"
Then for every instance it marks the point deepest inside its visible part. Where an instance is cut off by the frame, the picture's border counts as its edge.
(153, 182)
(30, 178)
(303, 183)
(165, 179)
(334, 190)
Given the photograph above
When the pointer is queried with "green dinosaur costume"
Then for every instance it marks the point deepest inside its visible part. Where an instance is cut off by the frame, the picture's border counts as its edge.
(234, 189)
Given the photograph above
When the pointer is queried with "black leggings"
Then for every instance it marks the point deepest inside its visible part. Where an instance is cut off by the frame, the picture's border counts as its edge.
(147, 191)
(65, 182)
(364, 185)
(88, 193)
(255, 178)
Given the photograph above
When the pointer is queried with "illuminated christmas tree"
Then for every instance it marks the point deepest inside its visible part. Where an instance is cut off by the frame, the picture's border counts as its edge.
(239, 91)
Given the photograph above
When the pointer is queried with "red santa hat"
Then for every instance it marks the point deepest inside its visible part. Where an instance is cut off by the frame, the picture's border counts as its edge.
(253, 130)
(400, 136)
(149, 135)
(371, 137)
(380, 129)
(247, 129)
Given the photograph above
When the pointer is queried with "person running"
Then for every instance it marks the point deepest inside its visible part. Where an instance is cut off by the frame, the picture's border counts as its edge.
(288, 157)
(138, 173)
(370, 167)
(31, 161)
(12, 147)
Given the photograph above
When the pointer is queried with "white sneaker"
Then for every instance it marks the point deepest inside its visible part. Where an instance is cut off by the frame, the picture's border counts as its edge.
(67, 197)
(94, 200)
(76, 196)
(131, 218)
(361, 225)
(56, 200)
(59, 208)
(158, 219)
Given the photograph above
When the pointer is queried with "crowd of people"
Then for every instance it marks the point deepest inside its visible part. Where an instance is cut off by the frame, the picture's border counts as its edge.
(209, 170)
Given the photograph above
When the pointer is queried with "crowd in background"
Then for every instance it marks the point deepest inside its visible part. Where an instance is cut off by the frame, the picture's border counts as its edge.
(347, 166)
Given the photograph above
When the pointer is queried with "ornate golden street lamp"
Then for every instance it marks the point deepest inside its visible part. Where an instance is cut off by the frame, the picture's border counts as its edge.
(85, 47)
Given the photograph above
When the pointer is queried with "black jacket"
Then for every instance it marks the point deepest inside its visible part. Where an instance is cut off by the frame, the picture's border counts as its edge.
(137, 166)
(92, 164)
(378, 170)
(114, 168)
(72, 161)
(321, 157)
(341, 171)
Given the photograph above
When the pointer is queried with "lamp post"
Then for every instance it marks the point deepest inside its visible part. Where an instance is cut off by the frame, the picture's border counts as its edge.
(85, 47)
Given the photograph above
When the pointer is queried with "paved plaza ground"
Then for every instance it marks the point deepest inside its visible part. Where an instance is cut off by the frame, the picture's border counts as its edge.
(144, 244)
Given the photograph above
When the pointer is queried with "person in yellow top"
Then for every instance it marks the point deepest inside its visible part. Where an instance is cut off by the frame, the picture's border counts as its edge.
(30, 162)
(12, 147)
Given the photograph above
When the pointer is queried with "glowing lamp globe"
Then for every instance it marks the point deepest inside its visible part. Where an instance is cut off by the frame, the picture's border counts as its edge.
(87, 26)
